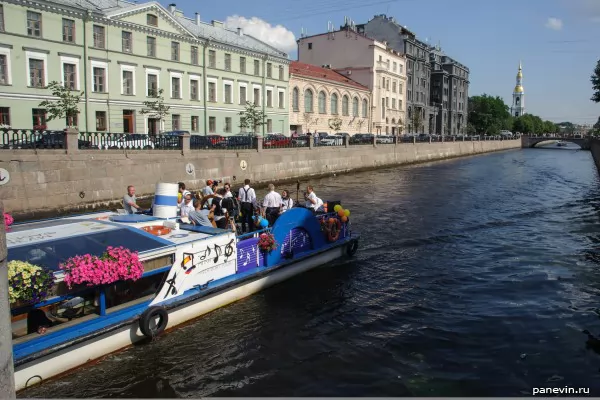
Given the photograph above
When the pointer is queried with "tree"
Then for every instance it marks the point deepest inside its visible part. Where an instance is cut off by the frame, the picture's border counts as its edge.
(360, 123)
(67, 105)
(308, 120)
(416, 121)
(336, 124)
(252, 117)
(156, 109)
(595, 78)
(488, 115)
(524, 125)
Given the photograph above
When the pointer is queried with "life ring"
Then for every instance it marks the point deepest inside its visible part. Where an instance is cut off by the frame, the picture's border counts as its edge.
(352, 247)
(333, 227)
(148, 325)
(157, 230)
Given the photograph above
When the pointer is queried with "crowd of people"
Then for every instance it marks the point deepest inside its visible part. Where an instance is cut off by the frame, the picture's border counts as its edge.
(227, 208)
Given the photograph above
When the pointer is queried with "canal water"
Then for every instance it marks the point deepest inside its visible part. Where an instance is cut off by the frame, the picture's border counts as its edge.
(475, 276)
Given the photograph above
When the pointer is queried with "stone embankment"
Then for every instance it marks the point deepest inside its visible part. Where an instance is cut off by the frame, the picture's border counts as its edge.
(50, 182)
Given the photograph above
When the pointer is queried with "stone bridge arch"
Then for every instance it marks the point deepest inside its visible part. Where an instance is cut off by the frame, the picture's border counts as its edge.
(533, 141)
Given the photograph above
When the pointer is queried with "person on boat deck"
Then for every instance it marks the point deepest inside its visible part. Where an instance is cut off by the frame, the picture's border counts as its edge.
(271, 205)
(218, 211)
(228, 193)
(187, 205)
(286, 201)
(247, 198)
(183, 192)
(129, 201)
(207, 191)
(199, 216)
(39, 320)
(312, 201)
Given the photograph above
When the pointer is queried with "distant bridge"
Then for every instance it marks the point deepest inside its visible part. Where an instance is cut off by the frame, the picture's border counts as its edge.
(533, 141)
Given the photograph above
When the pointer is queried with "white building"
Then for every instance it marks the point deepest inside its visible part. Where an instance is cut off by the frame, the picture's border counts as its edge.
(518, 104)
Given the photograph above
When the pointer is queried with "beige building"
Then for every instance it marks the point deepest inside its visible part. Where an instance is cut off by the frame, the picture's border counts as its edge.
(323, 100)
(368, 62)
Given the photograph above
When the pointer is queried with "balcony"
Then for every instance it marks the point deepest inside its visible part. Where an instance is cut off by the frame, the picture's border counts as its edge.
(382, 66)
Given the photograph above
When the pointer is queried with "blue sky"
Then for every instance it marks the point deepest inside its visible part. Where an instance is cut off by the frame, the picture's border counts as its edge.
(489, 36)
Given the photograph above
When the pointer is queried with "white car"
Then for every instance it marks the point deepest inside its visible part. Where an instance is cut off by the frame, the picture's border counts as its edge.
(127, 141)
(384, 139)
(331, 141)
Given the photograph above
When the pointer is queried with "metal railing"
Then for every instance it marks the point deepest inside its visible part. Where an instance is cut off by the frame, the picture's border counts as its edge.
(128, 141)
(16, 139)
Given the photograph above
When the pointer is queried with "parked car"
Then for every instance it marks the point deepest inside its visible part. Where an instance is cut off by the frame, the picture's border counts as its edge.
(241, 140)
(43, 140)
(362, 138)
(127, 141)
(331, 141)
(276, 141)
(300, 140)
(384, 139)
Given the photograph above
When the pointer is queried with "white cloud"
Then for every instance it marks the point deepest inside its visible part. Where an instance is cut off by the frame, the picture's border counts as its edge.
(277, 36)
(554, 24)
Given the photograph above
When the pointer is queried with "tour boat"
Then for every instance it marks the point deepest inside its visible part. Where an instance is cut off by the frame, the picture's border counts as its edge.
(185, 271)
(562, 143)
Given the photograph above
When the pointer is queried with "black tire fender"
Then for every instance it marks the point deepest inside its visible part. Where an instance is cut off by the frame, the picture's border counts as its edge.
(352, 247)
(147, 325)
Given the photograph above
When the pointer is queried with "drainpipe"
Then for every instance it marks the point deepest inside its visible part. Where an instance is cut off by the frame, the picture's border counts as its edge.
(205, 83)
(264, 91)
(85, 70)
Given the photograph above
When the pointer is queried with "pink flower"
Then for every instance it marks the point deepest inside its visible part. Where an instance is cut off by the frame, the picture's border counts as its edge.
(8, 219)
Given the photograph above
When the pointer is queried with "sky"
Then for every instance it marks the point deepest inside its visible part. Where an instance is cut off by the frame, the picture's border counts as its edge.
(554, 40)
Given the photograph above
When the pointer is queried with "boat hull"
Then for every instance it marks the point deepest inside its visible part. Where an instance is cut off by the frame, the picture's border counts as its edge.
(75, 355)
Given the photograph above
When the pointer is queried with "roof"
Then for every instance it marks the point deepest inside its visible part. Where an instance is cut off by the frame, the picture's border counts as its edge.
(312, 71)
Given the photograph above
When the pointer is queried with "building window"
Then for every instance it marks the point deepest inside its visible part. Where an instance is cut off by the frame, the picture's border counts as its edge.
(227, 62)
(212, 59)
(175, 87)
(393, 103)
(212, 91)
(308, 100)
(228, 124)
(382, 108)
(269, 70)
(257, 96)
(100, 120)
(269, 98)
(72, 120)
(98, 37)
(355, 107)
(99, 79)
(345, 105)
(334, 104)
(5, 116)
(243, 65)
(152, 85)
(295, 99)
(322, 100)
(212, 124)
(68, 26)
(151, 20)
(281, 100)
(257, 67)
(194, 56)
(70, 76)
(365, 108)
(34, 24)
(1, 18)
(281, 72)
(151, 46)
(38, 116)
(127, 42)
(36, 73)
(128, 82)
(176, 122)
(195, 123)
(194, 85)
(394, 87)
(228, 96)
(174, 51)
(269, 125)
(310, 46)
(4, 70)
(243, 95)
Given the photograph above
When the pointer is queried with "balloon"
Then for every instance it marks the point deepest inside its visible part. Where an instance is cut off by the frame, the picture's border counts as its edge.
(347, 213)
(341, 213)
(264, 223)
(344, 219)
(331, 220)
(337, 208)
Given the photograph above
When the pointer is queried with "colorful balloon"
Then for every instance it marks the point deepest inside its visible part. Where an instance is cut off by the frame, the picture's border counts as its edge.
(264, 223)
(341, 213)
(337, 208)
(344, 219)
(347, 213)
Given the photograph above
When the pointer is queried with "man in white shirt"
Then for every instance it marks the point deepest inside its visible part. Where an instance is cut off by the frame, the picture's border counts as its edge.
(247, 198)
(183, 192)
(187, 205)
(271, 205)
(129, 201)
(312, 201)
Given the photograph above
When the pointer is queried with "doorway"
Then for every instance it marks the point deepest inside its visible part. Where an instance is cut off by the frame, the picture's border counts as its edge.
(153, 126)
(128, 121)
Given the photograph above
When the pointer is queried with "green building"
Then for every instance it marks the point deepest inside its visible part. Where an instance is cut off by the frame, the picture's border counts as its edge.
(119, 54)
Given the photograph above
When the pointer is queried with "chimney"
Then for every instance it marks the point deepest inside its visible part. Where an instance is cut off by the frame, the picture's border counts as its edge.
(240, 32)
(172, 8)
(217, 24)
(198, 19)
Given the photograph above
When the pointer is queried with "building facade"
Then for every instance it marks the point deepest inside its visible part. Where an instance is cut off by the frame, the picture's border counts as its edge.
(320, 98)
(518, 103)
(368, 62)
(121, 54)
(424, 113)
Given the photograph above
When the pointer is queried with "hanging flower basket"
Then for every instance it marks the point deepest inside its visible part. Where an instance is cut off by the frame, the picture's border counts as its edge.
(266, 242)
(116, 264)
(28, 283)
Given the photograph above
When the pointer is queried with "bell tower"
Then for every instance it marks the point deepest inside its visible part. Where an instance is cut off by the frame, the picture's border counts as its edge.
(518, 104)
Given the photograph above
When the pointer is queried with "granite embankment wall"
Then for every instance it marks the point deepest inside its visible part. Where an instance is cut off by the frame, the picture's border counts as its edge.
(595, 149)
(51, 182)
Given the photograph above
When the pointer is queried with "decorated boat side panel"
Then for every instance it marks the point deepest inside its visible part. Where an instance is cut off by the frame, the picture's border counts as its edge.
(297, 241)
(249, 255)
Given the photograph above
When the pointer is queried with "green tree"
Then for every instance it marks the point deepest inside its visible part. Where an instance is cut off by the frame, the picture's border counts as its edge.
(335, 124)
(524, 125)
(67, 105)
(488, 115)
(416, 120)
(156, 108)
(252, 117)
(595, 78)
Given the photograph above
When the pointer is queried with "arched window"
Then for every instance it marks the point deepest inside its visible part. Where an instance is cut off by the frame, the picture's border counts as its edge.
(355, 107)
(295, 96)
(345, 105)
(322, 100)
(334, 104)
(308, 100)
(365, 108)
